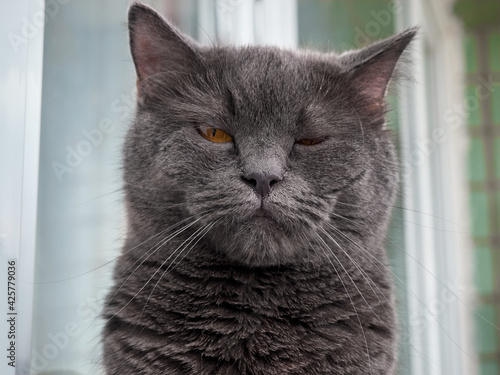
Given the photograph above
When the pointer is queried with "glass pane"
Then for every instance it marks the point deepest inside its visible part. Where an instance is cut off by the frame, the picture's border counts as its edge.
(88, 101)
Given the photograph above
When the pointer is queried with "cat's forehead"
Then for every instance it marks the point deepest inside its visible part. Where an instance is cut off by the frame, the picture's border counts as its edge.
(271, 66)
(268, 81)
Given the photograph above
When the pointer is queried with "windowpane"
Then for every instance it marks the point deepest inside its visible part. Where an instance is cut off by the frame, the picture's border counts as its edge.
(87, 104)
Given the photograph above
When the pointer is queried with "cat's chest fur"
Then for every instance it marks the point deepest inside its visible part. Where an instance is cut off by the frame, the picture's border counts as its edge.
(220, 319)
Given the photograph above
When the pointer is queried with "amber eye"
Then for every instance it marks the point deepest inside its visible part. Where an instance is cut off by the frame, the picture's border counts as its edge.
(215, 135)
(309, 142)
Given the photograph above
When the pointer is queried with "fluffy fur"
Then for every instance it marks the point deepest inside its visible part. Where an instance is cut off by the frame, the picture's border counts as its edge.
(217, 279)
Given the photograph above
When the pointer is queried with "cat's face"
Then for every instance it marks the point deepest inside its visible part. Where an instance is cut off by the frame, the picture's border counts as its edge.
(260, 141)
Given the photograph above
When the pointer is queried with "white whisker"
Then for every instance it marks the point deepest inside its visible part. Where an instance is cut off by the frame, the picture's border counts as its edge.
(350, 298)
(200, 233)
(421, 302)
(348, 275)
(368, 279)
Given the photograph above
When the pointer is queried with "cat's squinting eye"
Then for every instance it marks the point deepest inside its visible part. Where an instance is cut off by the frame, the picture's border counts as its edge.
(215, 135)
(309, 142)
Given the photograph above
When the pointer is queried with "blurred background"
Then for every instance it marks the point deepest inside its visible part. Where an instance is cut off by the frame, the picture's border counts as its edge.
(68, 96)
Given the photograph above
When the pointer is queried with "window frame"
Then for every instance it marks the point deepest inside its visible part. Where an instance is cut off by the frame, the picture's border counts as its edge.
(20, 115)
(437, 246)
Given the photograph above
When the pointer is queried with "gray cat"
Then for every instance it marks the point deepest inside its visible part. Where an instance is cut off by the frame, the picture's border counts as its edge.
(253, 245)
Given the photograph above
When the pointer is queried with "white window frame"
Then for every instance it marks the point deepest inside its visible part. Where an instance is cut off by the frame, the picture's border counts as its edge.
(264, 22)
(20, 111)
(438, 248)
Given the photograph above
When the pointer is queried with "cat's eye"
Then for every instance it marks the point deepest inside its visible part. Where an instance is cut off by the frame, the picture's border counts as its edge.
(215, 135)
(309, 142)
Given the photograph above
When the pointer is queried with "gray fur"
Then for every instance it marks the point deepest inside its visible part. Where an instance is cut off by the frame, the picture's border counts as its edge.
(301, 289)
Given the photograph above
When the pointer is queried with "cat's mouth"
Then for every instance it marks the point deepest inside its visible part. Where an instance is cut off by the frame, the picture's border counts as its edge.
(264, 210)
(269, 219)
(263, 213)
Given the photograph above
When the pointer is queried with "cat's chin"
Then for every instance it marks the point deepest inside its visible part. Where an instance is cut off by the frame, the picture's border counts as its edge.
(262, 213)
(260, 241)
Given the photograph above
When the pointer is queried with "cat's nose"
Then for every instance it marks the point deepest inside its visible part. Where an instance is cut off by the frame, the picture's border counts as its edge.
(261, 182)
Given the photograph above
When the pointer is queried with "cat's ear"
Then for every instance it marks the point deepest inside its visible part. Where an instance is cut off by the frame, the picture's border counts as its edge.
(372, 67)
(156, 45)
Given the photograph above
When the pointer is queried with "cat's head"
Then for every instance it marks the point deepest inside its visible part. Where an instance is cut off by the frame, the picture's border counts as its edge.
(273, 146)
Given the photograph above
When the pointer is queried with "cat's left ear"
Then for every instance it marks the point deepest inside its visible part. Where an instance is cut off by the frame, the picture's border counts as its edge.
(371, 68)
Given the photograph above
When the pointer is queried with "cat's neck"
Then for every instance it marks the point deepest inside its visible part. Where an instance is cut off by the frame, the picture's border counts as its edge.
(289, 289)
(207, 305)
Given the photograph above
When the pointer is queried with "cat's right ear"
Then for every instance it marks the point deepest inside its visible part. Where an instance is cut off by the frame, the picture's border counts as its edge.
(157, 46)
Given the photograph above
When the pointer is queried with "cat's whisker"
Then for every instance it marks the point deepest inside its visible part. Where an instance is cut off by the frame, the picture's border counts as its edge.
(367, 277)
(199, 235)
(418, 299)
(154, 274)
(338, 231)
(146, 256)
(402, 287)
(427, 270)
(422, 226)
(446, 287)
(110, 262)
(430, 361)
(160, 205)
(145, 187)
(406, 209)
(99, 197)
(158, 246)
(325, 246)
(347, 273)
